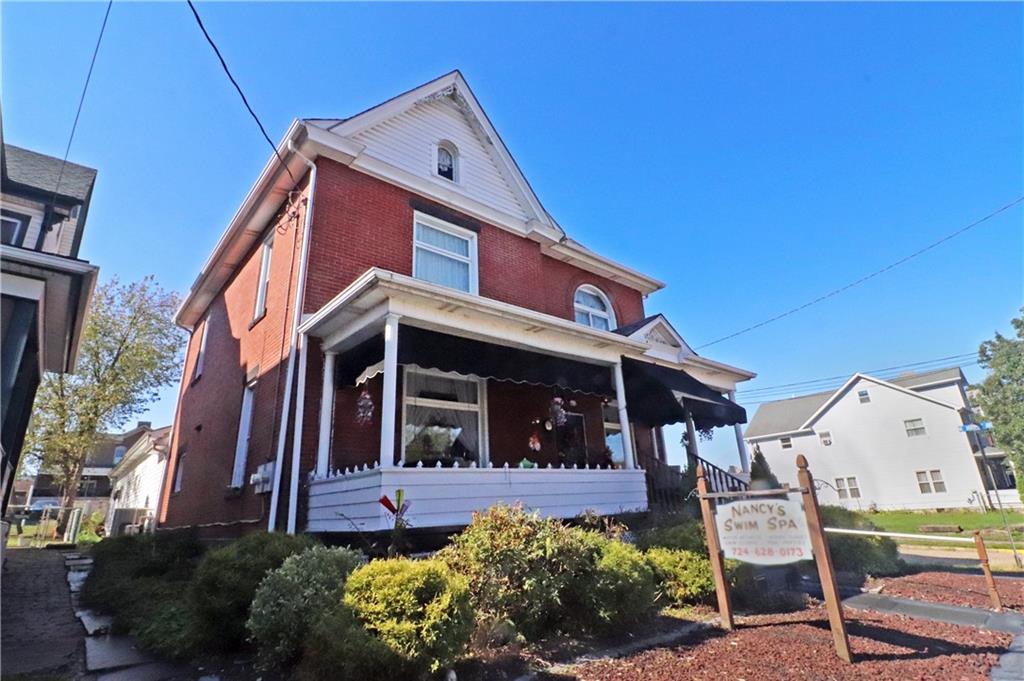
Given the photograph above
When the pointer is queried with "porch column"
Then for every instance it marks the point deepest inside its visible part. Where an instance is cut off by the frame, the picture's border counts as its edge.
(741, 446)
(389, 401)
(323, 452)
(628, 461)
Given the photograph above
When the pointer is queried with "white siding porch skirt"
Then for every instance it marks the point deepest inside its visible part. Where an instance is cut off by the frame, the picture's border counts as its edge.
(447, 497)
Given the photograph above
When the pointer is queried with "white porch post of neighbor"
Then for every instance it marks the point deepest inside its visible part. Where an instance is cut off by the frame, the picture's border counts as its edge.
(628, 461)
(691, 435)
(323, 451)
(741, 446)
(389, 401)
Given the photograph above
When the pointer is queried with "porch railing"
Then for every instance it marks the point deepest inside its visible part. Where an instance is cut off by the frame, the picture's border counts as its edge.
(666, 485)
(719, 479)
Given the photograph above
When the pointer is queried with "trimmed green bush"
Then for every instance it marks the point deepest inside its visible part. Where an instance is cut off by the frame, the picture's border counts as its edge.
(339, 648)
(877, 556)
(684, 577)
(420, 610)
(684, 536)
(523, 568)
(622, 588)
(293, 596)
(226, 580)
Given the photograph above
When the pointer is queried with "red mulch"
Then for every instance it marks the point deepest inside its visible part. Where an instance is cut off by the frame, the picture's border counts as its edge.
(955, 589)
(798, 646)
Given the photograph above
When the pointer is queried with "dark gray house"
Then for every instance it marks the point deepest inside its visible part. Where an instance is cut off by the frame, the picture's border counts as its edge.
(45, 287)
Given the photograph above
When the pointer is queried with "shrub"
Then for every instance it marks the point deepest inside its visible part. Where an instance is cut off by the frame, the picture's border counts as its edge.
(294, 595)
(339, 648)
(419, 610)
(684, 577)
(621, 588)
(226, 580)
(877, 556)
(521, 567)
(684, 536)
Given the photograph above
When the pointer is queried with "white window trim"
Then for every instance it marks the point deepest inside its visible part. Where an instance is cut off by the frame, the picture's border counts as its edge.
(244, 433)
(608, 313)
(930, 480)
(863, 396)
(826, 435)
(20, 229)
(456, 231)
(201, 357)
(263, 283)
(856, 486)
(454, 151)
(480, 407)
(617, 427)
(786, 442)
(907, 428)
(841, 489)
(179, 471)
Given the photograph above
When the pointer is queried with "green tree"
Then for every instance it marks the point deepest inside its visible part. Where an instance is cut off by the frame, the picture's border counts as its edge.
(130, 348)
(761, 476)
(1001, 394)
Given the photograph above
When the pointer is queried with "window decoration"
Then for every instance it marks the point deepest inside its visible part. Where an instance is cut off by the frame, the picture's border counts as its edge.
(364, 408)
(447, 161)
(443, 422)
(444, 254)
(592, 308)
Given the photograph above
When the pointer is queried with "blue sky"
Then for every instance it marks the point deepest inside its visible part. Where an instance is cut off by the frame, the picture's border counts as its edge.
(751, 156)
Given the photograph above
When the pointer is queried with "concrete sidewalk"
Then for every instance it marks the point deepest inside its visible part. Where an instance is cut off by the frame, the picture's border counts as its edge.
(1000, 560)
(39, 630)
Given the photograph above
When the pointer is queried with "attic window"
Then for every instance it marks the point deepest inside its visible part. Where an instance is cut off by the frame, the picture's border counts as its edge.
(447, 158)
(592, 307)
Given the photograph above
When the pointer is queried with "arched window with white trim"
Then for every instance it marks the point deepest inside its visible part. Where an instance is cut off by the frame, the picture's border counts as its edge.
(593, 308)
(447, 161)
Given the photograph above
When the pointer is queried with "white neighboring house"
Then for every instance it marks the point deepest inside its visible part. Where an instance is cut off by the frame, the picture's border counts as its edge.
(136, 483)
(886, 444)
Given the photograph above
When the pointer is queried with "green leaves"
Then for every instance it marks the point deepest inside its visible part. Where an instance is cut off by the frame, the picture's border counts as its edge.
(1001, 394)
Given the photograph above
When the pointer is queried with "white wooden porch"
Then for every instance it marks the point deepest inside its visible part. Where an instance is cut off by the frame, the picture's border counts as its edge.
(447, 497)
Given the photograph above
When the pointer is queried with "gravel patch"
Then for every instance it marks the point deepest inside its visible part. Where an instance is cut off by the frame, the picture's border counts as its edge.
(798, 646)
(952, 588)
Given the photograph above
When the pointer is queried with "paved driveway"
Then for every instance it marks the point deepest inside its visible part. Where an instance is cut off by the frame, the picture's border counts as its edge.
(39, 630)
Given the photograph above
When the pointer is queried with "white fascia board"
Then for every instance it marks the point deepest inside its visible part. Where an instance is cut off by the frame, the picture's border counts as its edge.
(49, 261)
(246, 226)
(22, 287)
(395, 285)
(704, 362)
(587, 259)
(858, 377)
(776, 436)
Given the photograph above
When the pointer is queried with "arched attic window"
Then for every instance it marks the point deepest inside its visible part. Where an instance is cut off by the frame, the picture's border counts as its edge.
(447, 161)
(593, 308)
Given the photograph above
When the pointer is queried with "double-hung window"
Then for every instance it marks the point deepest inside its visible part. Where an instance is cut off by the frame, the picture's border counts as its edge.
(613, 438)
(179, 471)
(242, 443)
(786, 443)
(14, 228)
(444, 254)
(915, 427)
(848, 488)
(444, 419)
(930, 481)
(201, 357)
(863, 396)
(264, 281)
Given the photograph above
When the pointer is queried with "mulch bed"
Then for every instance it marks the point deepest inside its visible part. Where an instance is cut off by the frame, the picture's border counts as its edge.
(799, 646)
(952, 588)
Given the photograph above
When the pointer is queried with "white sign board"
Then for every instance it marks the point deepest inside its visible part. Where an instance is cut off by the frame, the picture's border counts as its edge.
(763, 531)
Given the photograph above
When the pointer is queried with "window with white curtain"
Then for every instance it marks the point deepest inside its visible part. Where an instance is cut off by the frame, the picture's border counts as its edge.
(444, 254)
(447, 161)
(443, 419)
(242, 443)
(593, 308)
(264, 280)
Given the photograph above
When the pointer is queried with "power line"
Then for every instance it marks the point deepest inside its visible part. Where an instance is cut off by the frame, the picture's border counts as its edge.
(761, 399)
(81, 101)
(867, 277)
(241, 94)
(951, 358)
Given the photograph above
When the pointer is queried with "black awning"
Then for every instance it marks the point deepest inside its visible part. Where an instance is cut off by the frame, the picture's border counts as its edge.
(434, 350)
(657, 395)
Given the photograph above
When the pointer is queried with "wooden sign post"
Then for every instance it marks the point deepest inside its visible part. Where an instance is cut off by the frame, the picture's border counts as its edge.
(765, 527)
(707, 511)
(823, 558)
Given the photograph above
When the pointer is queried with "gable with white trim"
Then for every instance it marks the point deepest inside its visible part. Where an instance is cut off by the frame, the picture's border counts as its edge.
(409, 141)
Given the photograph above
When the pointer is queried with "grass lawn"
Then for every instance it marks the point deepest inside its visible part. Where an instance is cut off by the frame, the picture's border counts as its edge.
(911, 522)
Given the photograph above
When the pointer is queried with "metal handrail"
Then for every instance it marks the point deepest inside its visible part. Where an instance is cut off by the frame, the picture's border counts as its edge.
(898, 535)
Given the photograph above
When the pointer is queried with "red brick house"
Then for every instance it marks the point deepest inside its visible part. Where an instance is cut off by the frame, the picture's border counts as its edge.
(392, 308)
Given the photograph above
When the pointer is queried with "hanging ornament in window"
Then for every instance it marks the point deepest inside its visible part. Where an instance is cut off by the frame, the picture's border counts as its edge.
(364, 408)
(557, 410)
(534, 443)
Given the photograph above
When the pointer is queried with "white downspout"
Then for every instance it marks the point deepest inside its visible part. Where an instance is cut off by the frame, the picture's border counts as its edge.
(286, 407)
